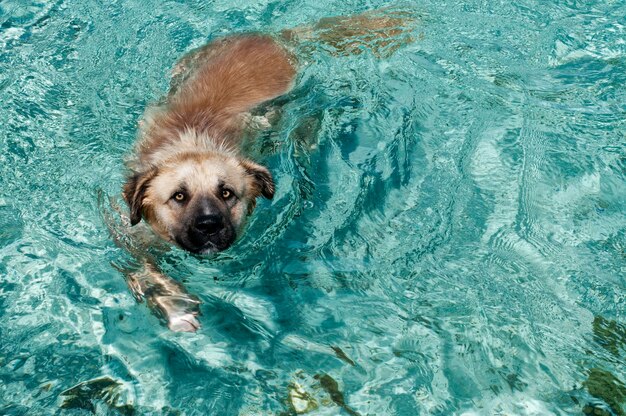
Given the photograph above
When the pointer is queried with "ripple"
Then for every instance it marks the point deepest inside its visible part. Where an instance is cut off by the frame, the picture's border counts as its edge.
(447, 235)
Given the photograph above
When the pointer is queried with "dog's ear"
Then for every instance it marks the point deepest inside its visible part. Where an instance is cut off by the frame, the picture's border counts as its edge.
(261, 179)
(134, 191)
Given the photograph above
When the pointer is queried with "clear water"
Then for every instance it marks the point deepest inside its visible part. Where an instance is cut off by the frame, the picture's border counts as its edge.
(455, 243)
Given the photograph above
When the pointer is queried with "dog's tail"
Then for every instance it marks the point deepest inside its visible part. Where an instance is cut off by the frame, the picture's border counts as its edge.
(381, 31)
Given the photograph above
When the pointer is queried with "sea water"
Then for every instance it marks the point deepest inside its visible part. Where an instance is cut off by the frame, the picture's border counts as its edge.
(448, 234)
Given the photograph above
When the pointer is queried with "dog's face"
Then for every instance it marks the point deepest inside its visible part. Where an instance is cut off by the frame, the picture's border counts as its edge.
(198, 201)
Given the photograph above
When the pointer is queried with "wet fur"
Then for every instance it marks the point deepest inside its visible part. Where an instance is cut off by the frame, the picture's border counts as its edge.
(221, 82)
(198, 130)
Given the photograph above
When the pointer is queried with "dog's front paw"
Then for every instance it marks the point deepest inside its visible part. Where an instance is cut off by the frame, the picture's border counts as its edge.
(183, 323)
(178, 311)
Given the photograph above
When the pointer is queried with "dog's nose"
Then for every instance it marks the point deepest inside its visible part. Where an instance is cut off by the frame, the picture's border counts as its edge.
(209, 224)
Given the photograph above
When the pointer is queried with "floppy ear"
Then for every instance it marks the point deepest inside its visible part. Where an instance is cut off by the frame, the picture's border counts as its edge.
(261, 179)
(134, 191)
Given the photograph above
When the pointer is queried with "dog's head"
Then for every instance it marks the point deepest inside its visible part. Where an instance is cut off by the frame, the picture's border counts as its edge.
(198, 201)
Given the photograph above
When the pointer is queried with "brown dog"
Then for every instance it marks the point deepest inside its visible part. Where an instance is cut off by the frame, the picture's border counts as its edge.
(189, 180)
(191, 184)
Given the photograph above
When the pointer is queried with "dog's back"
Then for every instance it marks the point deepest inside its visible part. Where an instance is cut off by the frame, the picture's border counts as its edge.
(215, 86)
(234, 75)
(218, 83)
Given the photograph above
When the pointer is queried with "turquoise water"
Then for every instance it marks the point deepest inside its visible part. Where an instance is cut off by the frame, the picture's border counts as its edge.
(448, 238)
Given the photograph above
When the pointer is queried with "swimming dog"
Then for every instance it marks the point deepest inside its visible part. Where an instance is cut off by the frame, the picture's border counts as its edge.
(188, 177)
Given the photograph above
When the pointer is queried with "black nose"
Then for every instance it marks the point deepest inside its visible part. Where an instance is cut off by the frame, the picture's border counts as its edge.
(209, 224)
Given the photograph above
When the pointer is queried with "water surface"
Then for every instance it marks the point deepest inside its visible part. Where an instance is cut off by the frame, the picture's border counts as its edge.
(451, 240)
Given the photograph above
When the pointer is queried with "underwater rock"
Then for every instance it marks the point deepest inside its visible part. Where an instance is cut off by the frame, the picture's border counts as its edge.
(610, 334)
(300, 401)
(88, 394)
(332, 388)
(608, 388)
(595, 411)
(342, 355)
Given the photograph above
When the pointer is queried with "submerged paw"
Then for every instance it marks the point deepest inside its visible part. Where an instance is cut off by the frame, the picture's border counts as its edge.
(183, 323)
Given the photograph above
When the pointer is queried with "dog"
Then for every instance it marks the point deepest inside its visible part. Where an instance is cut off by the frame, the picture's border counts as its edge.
(189, 180)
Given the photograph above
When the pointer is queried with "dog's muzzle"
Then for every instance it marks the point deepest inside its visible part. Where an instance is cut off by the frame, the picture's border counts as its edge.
(208, 233)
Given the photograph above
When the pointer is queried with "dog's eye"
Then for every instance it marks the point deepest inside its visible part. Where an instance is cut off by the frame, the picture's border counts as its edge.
(226, 193)
(179, 197)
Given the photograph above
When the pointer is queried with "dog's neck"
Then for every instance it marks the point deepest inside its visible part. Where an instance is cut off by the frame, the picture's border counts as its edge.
(155, 150)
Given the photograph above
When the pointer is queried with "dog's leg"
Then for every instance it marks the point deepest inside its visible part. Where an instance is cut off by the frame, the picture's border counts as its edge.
(381, 31)
(166, 297)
